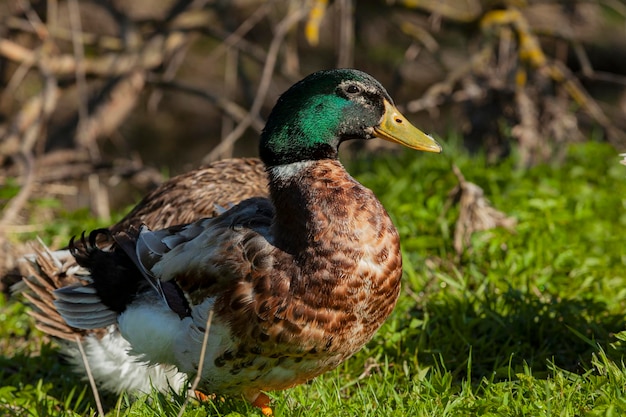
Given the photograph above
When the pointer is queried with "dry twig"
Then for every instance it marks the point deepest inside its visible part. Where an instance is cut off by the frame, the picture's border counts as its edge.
(198, 378)
(92, 382)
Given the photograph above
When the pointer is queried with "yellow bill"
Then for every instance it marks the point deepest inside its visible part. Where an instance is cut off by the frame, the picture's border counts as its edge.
(394, 127)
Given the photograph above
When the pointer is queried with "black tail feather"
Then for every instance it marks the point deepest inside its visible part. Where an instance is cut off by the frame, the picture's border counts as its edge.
(115, 276)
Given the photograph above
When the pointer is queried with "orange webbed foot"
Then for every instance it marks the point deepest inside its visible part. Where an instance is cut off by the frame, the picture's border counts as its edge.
(263, 402)
(202, 397)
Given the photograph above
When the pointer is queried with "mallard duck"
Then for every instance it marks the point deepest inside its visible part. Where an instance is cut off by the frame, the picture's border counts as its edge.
(287, 287)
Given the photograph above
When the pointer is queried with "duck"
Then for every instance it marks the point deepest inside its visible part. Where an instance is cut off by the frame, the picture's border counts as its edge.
(274, 291)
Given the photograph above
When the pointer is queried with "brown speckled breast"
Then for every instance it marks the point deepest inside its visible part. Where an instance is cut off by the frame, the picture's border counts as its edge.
(318, 286)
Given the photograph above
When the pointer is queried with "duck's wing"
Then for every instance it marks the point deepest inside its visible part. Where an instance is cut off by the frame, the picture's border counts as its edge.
(197, 194)
(147, 247)
(189, 261)
(196, 256)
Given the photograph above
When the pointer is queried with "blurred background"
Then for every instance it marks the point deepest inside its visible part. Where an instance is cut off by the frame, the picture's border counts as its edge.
(100, 100)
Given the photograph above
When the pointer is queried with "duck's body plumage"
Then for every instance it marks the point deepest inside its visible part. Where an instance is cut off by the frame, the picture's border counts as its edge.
(285, 310)
(294, 283)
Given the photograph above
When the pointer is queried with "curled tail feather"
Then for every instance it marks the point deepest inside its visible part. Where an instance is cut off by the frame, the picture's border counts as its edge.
(114, 275)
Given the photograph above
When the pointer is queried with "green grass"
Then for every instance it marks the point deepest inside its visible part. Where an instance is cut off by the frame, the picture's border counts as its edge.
(527, 323)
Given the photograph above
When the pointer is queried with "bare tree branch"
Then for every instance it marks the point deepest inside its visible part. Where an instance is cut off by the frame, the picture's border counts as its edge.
(272, 54)
(230, 108)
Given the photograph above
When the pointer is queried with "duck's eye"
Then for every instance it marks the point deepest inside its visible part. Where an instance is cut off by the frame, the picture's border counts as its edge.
(353, 89)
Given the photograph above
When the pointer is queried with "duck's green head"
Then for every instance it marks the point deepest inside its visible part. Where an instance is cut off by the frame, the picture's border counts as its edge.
(315, 115)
